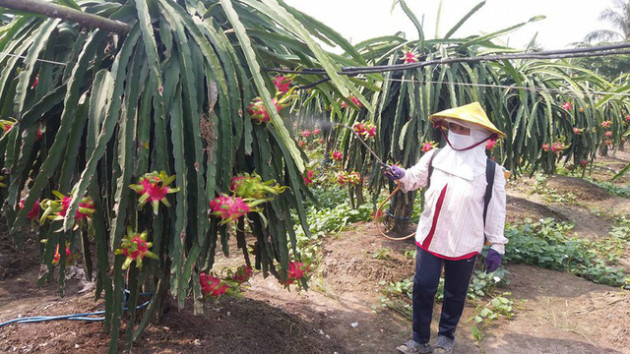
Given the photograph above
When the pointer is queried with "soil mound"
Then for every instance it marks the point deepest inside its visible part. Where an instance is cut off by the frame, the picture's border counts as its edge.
(358, 256)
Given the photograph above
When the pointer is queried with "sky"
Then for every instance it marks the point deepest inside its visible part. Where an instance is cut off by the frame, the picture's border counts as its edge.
(566, 21)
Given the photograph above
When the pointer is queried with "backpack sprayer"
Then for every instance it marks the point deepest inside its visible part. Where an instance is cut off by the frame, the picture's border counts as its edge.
(386, 167)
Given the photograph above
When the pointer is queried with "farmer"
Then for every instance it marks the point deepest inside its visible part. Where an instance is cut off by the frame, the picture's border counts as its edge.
(452, 228)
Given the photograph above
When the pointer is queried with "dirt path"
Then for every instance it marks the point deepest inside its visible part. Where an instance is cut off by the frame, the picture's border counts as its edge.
(562, 313)
(342, 312)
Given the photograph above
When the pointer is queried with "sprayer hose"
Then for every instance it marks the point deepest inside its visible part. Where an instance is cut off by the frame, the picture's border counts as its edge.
(378, 212)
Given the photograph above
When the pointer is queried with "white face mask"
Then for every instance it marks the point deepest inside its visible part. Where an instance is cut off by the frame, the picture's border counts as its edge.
(459, 141)
(465, 163)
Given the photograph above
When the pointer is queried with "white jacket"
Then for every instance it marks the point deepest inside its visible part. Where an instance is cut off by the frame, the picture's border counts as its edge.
(451, 225)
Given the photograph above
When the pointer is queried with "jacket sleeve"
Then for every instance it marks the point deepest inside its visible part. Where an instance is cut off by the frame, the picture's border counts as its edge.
(417, 176)
(495, 218)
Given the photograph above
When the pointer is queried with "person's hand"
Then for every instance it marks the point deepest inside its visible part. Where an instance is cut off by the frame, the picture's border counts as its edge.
(493, 260)
(393, 172)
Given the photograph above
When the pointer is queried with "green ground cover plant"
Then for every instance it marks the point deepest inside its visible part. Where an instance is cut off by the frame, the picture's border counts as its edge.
(547, 244)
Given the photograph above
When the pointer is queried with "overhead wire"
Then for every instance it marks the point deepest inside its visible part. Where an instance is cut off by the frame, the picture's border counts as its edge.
(355, 70)
(552, 54)
(401, 67)
(511, 87)
(399, 80)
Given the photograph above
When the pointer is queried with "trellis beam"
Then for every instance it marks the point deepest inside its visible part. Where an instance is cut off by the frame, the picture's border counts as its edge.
(66, 13)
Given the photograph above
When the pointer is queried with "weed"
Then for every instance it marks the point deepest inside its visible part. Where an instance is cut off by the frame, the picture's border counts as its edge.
(410, 254)
(382, 253)
(484, 284)
(484, 315)
(551, 194)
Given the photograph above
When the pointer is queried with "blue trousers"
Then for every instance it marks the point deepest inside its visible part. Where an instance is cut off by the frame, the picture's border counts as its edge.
(425, 283)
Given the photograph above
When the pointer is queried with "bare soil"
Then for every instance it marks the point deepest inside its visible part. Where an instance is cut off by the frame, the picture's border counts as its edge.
(342, 313)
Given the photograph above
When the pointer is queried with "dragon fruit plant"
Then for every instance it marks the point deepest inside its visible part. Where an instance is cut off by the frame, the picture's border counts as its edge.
(249, 192)
(258, 111)
(7, 124)
(336, 155)
(428, 146)
(229, 208)
(295, 271)
(365, 129)
(283, 83)
(283, 98)
(33, 214)
(556, 147)
(70, 257)
(354, 100)
(242, 274)
(410, 57)
(154, 187)
(348, 178)
(212, 286)
(308, 177)
(251, 186)
(567, 106)
(56, 209)
(135, 247)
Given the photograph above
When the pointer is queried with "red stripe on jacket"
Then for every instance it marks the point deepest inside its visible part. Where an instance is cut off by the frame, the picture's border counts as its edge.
(436, 215)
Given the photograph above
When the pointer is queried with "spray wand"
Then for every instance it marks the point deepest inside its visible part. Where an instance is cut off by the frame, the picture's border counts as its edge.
(378, 159)
(387, 168)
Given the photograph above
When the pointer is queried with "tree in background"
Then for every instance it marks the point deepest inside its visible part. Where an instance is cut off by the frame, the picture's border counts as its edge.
(619, 17)
(613, 67)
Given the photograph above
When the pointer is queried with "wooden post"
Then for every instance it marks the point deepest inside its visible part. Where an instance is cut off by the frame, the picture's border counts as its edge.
(66, 13)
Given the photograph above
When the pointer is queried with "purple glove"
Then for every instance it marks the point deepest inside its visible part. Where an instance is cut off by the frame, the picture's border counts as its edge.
(493, 260)
(393, 172)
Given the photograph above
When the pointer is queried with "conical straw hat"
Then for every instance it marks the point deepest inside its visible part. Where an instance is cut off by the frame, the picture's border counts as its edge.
(471, 113)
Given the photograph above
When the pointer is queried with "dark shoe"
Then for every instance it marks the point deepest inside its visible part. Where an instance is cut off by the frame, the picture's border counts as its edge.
(413, 347)
(444, 345)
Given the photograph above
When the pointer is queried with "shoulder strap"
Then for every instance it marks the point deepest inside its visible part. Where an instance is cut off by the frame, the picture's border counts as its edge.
(490, 170)
(431, 167)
